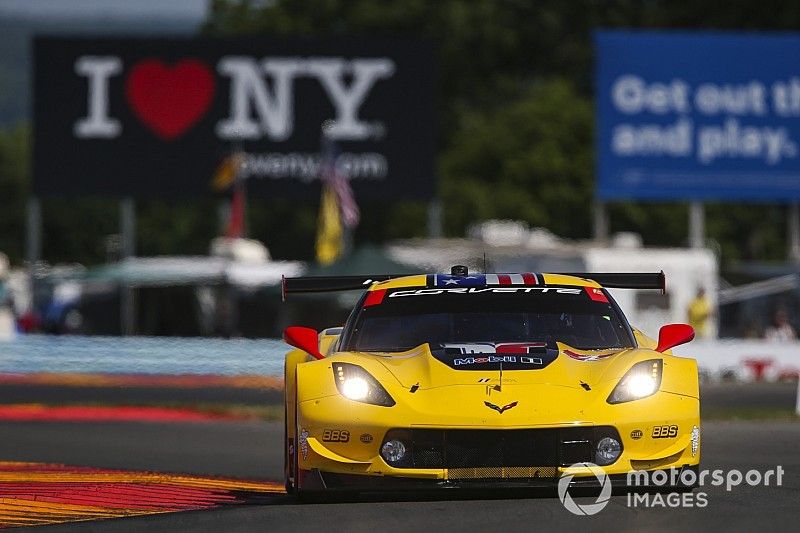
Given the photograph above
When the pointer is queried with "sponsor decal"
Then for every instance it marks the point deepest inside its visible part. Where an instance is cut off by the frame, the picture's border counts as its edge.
(636, 434)
(695, 440)
(519, 347)
(335, 435)
(493, 347)
(497, 359)
(499, 409)
(508, 355)
(303, 440)
(486, 348)
(486, 290)
(487, 359)
(366, 438)
(664, 432)
(470, 348)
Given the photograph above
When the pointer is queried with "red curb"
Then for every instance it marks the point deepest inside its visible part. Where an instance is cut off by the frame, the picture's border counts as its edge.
(188, 381)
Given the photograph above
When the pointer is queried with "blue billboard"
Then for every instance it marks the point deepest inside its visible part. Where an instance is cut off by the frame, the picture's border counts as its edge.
(698, 116)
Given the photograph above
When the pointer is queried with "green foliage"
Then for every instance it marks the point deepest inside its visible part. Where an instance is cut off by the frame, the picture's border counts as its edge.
(176, 228)
(288, 228)
(530, 159)
(74, 230)
(14, 175)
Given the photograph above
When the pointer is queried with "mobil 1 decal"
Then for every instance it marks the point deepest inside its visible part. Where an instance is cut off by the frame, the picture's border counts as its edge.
(495, 355)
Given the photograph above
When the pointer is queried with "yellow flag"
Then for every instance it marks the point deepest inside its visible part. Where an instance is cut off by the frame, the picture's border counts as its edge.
(227, 171)
(330, 235)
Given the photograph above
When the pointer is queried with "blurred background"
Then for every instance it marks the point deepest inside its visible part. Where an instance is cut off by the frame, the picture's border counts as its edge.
(164, 163)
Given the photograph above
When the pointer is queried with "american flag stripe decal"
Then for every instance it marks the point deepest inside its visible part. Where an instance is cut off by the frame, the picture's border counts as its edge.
(482, 280)
(526, 278)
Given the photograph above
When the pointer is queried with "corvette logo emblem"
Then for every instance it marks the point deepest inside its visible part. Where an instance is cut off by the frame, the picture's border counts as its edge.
(499, 409)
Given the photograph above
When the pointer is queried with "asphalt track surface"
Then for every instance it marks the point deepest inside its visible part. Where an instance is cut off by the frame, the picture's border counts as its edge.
(253, 450)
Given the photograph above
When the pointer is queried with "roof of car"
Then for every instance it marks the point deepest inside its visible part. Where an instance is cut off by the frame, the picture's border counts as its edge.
(422, 280)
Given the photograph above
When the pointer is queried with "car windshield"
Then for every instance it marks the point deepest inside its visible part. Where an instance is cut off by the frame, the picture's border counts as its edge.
(403, 319)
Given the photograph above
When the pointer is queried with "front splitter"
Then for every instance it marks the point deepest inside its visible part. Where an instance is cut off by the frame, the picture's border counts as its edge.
(317, 481)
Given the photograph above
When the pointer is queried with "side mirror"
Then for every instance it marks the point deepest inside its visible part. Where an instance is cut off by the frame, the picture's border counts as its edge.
(673, 335)
(307, 339)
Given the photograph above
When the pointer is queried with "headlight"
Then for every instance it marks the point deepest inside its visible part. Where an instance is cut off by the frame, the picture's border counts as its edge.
(641, 381)
(358, 385)
(355, 388)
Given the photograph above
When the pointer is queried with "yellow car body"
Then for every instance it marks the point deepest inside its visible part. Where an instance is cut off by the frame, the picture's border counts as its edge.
(333, 442)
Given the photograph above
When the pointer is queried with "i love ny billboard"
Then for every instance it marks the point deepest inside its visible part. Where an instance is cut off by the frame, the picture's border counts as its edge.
(156, 117)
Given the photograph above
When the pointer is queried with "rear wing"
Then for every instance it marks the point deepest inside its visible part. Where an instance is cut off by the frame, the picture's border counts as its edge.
(610, 280)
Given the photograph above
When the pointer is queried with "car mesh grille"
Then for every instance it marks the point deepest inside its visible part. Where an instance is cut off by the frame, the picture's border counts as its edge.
(486, 452)
(500, 472)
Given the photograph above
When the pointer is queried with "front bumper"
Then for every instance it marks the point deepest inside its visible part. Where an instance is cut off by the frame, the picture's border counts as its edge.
(338, 436)
(316, 481)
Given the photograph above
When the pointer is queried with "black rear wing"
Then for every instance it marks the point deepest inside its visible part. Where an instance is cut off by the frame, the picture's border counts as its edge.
(610, 280)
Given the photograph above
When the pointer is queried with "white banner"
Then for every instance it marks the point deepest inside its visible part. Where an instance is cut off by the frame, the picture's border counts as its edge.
(746, 360)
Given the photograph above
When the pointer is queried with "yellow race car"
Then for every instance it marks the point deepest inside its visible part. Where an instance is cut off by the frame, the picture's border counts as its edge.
(474, 380)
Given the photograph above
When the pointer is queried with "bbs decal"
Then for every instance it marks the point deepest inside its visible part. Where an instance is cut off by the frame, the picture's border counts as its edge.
(335, 435)
(664, 432)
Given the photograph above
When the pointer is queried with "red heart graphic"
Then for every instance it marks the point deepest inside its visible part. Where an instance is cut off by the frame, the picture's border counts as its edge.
(169, 100)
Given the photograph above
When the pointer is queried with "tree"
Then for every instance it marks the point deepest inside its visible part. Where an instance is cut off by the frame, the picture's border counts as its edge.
(14, 175)
(530, 160)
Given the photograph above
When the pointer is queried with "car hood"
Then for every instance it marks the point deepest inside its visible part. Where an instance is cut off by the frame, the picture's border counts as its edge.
(563, 367)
